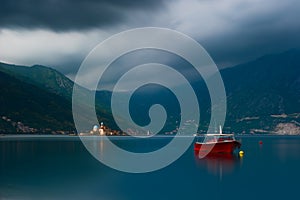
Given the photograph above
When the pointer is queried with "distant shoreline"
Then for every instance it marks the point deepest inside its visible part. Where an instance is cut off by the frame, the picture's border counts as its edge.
(45, 136)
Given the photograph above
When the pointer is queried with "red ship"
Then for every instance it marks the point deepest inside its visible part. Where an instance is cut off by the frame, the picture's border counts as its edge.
(217, 144)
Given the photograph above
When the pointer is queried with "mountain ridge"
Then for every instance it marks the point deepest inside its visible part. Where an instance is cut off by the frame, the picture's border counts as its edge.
(52, 83)
(263, 95)
(27, 108)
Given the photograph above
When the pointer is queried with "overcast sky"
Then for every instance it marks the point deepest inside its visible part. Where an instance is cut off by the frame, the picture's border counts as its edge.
(60, 33)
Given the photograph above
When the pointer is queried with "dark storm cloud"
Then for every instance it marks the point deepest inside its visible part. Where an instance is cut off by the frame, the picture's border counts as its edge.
(61, 33)
(69, 14)
(241, 46)
(272, 29)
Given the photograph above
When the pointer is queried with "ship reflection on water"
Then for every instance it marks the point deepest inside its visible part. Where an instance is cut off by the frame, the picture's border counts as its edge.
(219, 164)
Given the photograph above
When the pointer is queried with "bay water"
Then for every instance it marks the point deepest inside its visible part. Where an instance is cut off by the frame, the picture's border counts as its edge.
(54, 167)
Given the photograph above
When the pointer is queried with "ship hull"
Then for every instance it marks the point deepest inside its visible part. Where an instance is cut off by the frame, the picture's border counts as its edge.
(225, 147)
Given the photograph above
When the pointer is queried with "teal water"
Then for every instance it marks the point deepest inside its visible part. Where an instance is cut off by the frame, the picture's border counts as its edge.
(61, 168)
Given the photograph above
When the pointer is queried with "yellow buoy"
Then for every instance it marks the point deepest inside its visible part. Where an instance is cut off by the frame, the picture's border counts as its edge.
(241, 153)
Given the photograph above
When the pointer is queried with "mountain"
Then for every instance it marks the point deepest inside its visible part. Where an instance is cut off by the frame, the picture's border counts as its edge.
(270, 84)
(27, 108)
(48, 97)
(45, 78)
(42, 77)
(263, 95)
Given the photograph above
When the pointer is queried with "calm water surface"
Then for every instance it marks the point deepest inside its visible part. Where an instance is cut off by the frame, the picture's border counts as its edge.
(61, 168)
